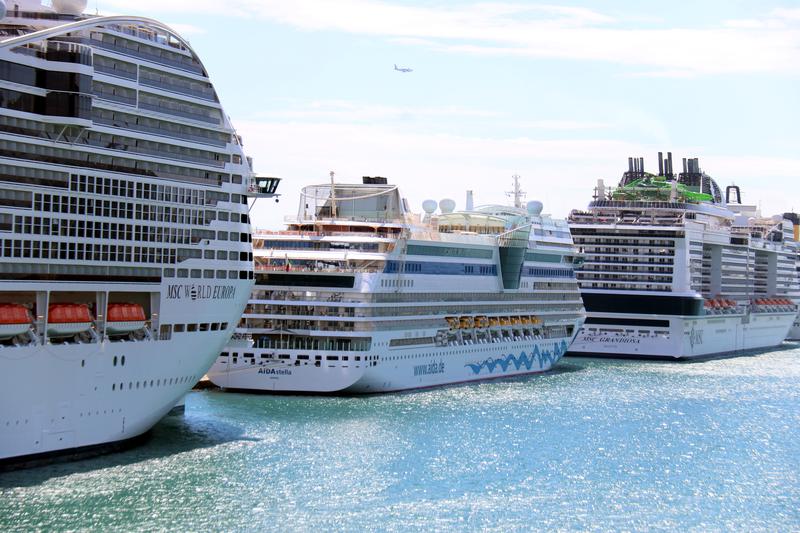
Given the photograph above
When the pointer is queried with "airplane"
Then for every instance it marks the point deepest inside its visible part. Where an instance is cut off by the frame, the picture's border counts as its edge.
(403, 69)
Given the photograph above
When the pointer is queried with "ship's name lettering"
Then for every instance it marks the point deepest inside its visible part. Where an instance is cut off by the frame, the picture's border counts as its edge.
(432, 368)
(201, 292)
(275, 371)
(613, 340)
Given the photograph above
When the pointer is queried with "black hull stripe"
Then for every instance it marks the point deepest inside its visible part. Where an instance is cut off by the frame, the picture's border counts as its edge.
(642, 304)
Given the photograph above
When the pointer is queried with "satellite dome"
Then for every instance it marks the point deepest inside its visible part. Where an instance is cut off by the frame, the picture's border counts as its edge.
(429, 206)
(447, 205)
(535, 208)
(69, 7)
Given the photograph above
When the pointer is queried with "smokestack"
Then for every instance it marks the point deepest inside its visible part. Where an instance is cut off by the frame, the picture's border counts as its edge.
(660, 163)
(470, 204)
(685, 168)
(697, 165)
(669, 165)
(641, 165)
(630, 164)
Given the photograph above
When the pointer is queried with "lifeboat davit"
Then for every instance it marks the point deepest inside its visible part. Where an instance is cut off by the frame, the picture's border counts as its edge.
(64, 320)
(15, 319)
(124, 318)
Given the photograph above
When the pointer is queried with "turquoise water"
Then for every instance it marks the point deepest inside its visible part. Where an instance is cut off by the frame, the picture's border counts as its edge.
(596, 445)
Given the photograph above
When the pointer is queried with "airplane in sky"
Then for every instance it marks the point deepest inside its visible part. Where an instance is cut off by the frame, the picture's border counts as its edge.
(403, 69)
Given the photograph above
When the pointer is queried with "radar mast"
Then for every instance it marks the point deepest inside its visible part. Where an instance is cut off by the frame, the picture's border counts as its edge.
(518, 194)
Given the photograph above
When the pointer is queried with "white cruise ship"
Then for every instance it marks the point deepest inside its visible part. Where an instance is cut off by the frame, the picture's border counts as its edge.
(359, 295)
(794, 218)
(674, 269)
(125, 255)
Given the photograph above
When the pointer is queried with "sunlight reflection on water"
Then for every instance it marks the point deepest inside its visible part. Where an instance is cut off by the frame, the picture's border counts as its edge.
(594, 445)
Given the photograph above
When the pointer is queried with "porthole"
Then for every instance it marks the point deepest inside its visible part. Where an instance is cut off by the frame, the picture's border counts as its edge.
(123, 360)
(115, 360)
(113, 386)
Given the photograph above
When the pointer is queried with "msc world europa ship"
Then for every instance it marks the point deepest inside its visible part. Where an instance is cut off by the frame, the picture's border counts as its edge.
(359, 295)
(125, 255)
(674, 269)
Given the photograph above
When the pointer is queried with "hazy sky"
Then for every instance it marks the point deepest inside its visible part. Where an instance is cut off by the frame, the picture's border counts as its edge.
(560, 94)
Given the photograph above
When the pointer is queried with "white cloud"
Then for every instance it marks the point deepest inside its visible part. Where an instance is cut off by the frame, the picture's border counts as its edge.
(560, 172)
(562, 125)
(767, 44)
(343, 110)
(186, 30)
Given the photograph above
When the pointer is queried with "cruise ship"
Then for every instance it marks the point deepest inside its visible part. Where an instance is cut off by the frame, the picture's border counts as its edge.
(359, 295)
(125, 242)
(674, 268)
(794, 218)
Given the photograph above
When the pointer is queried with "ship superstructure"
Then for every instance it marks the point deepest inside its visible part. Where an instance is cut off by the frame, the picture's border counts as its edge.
(794, 218)
(675, 269)
(359, 295)
(125, 254)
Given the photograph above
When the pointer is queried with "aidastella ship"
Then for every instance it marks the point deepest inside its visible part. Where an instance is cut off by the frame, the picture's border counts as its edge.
(675, 268)
(360, 295)
(125, 254)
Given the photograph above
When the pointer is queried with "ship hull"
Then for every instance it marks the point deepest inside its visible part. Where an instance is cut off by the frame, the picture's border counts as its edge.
(392, 370)
(681, 337)
(61, 398)
(794, 331)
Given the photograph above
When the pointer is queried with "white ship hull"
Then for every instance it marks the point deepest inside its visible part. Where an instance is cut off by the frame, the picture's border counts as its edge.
(63, 398)
(686, 337)
(794, 331)
(394, 370)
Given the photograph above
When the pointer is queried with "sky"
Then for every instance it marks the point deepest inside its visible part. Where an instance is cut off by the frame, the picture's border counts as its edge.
(559, 93)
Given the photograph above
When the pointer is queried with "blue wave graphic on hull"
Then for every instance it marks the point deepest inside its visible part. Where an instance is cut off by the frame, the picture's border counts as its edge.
(504, 363)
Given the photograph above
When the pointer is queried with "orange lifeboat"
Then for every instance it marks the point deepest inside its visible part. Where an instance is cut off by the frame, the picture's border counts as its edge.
(64, 320)
(15, 319)
(124, 318)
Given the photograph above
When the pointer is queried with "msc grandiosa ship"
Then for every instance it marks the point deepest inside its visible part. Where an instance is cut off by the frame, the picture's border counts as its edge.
(674, 269)
(794, 218)
(359, 295)
(125, 254)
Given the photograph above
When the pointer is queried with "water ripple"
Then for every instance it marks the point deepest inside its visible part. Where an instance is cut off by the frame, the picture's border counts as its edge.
(595, 445)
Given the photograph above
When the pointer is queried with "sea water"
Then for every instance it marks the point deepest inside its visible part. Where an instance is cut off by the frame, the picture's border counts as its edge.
(593, 445)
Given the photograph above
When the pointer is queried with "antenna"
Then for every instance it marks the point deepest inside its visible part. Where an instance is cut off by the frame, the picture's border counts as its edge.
(333, 197)
(518, 194)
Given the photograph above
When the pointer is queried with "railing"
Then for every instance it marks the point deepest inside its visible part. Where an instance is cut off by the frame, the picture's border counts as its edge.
(179, 113)
(321, 270)
(178, 88)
